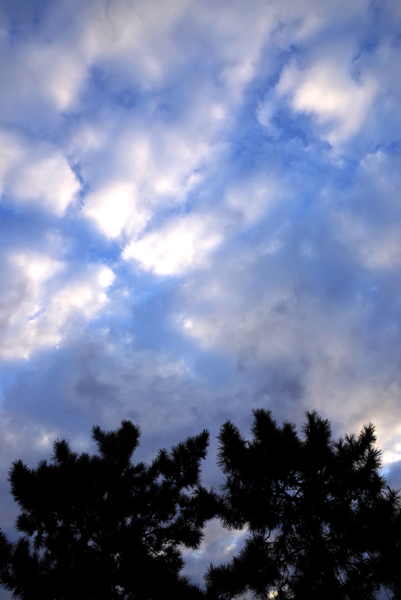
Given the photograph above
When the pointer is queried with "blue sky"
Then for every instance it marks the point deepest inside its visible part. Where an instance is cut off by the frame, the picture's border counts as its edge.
(200, 214)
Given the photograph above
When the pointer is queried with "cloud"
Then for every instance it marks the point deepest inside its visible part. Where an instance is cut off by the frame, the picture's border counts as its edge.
(36, 175)
(38, 310)
(394, 475)
(250, 198)
(305, 307)
(218, 546)
(111, 207)
(368, 222)
(183, 244)
(327, 90)
(146, 173)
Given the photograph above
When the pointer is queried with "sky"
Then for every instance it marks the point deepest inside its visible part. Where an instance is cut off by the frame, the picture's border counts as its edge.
(200, 215)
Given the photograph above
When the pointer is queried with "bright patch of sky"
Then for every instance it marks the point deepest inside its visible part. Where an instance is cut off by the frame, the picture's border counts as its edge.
(200, 214)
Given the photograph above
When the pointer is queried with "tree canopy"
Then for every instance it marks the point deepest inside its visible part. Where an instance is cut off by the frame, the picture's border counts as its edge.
(102, 527)
(321, 521)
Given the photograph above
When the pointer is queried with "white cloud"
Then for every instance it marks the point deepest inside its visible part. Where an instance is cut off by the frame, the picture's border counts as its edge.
(138, 173)
(85, 294)
(33, 314)
(137, 37)
(111, 207)
(141, 42)
(37, 268)
(181, 245)
(146, 161)
(36, 174)
(327, 90)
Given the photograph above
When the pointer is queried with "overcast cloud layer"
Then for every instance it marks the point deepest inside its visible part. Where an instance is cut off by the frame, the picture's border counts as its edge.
(200, 214)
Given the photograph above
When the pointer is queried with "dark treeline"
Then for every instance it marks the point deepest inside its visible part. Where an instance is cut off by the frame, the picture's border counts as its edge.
(321, 521)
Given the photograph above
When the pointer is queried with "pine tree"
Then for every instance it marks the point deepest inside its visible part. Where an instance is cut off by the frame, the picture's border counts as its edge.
(322, 523)
(100, 527)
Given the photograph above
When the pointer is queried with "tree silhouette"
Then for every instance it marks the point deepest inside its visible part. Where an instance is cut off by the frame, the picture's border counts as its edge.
(100, 527)
(322, 522)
